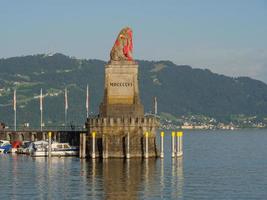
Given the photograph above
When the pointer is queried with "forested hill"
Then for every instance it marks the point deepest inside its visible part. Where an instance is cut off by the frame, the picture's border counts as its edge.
(180, 89)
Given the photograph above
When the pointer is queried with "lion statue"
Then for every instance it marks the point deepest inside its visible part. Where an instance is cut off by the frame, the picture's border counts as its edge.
(123, 46)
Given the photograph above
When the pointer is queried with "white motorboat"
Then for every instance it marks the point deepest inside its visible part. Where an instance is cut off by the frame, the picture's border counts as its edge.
(57, 149)
(40, 145)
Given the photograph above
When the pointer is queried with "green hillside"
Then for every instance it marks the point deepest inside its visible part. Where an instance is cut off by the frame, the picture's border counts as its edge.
(180, 89)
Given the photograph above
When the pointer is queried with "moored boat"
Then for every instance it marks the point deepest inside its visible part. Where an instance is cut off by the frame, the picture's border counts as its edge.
(24, 147)
(57, 149)
(5, 146)
(15, 146)
(38, 145)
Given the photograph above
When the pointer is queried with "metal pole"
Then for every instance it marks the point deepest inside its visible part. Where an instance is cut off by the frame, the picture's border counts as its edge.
(41, 120)
(65, 119)
(49, 144)
(15, 120)
(93, 144)
(41, 109)
(173, 144)
(128, 146)
(15, 109)
(162, 144)
(66, 107)
(155, 106)
(87, 101)
(146, 137)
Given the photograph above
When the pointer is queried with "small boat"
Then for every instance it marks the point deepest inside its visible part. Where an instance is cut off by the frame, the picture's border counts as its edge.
(57, 149)
(15, 146)
(24, 147)
(41, 145)
(5, 146)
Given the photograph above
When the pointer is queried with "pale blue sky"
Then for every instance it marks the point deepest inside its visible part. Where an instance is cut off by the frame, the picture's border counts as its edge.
(226, 36)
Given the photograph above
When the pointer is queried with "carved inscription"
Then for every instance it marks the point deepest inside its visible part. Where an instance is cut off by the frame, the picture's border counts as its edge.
(120, 89)
(112, 84)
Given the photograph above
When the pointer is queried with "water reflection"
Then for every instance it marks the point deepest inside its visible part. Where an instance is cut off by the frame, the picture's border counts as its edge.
(68, 178)
(134, 178)
(162, 182)
(15, 172)
(211, 169)
(177, 178)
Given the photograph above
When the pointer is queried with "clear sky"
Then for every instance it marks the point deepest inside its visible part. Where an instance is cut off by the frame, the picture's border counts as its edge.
(226, 36)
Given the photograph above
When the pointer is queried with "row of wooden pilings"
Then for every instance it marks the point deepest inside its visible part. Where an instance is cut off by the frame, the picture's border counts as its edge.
(176, 145)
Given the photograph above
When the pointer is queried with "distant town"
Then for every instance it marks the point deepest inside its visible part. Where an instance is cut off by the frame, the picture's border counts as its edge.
(199, 122)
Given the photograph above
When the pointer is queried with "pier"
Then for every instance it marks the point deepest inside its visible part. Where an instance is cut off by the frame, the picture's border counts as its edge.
(71, 137)
(94, 146)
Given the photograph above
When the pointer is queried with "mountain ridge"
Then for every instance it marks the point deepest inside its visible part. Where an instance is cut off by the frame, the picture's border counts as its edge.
(180, 89)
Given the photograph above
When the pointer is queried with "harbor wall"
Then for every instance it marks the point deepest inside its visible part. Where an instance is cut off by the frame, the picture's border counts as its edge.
(111, 137)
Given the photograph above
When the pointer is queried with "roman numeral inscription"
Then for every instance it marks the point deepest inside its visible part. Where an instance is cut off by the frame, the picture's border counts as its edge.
(121, 84)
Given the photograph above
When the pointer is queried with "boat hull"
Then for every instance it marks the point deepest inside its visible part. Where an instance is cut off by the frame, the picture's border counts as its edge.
(55, 153)
(5, 149)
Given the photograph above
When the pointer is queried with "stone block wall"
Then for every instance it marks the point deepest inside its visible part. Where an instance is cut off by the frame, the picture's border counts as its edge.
(112, 136)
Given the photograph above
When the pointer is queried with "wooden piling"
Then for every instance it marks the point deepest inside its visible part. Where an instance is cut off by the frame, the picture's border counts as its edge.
(84, 145)
(179, 144)
(81, 146)
(162, 144)
(128, 146)
(173, 144)
(146, 146)
(82, 151)
(49, 144)
(93, 144)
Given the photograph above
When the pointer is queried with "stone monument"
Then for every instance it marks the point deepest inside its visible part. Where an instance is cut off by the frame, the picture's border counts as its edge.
(121, 129)
(121, 97)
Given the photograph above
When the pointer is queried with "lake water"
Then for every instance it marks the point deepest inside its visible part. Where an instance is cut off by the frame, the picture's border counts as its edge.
(216, 165)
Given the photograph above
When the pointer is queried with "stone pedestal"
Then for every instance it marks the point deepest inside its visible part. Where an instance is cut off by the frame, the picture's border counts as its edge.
(121, 93)
(121, 115)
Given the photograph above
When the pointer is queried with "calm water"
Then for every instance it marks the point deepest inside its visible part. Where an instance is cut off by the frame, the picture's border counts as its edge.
(216, 165)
